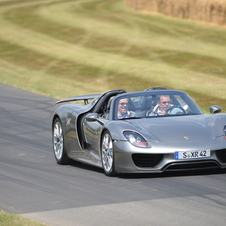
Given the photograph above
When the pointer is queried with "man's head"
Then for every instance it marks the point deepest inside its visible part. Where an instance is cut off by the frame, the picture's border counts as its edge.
(164, 102)
(123, 106)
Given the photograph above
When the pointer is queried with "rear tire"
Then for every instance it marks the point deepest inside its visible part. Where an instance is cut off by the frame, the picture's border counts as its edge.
(107, 155)
(58, 143)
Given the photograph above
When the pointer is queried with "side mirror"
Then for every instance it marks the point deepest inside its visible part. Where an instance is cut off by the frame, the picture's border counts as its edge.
(92, 117)
(215, 109)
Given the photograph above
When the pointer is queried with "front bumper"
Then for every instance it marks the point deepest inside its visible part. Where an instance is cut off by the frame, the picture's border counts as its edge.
(130, 159)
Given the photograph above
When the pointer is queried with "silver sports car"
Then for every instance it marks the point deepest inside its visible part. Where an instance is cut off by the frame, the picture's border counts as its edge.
(148, 131)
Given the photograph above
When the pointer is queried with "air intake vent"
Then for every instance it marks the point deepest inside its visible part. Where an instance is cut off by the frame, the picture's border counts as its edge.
(147, 160)
(221, 155)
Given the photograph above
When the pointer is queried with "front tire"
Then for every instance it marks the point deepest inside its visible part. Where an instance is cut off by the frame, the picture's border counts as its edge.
(58, 143)
(107, 155)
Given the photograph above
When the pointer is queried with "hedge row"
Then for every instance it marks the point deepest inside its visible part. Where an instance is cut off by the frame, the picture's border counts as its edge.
(211, 11)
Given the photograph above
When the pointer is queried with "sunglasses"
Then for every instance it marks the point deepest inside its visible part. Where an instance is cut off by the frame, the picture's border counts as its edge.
(123, 103)
(166, 102)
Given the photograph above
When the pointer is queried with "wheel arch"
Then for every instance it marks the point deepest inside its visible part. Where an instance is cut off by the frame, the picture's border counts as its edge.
(102, 133)
(54, 118)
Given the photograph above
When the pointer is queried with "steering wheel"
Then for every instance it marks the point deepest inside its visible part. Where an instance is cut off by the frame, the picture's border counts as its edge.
(175, 107)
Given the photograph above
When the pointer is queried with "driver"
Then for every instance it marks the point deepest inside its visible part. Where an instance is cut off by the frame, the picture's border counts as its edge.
(162, 105)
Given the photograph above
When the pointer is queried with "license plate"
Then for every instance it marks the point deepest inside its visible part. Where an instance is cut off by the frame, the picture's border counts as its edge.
(191, 154)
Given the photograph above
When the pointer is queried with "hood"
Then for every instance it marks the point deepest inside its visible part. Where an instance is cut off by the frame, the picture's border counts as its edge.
(189, 130)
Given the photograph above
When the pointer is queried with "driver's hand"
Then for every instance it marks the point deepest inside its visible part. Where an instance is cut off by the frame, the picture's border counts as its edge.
(162, 113)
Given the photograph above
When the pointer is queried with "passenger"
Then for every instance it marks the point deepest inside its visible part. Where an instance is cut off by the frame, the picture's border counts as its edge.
(123, 109)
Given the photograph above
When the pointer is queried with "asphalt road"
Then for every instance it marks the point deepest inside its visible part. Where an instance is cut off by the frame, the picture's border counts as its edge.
(34, 186)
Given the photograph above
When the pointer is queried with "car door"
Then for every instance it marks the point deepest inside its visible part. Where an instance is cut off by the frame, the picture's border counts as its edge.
(92, 126)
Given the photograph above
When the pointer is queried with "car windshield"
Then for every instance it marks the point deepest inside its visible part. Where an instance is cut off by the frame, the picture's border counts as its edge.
(154, 103)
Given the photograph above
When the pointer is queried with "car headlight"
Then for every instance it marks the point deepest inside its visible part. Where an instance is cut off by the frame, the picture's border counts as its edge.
(135, 139)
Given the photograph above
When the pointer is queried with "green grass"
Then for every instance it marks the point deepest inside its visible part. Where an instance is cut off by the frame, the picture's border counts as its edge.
(67, 48)
(7, 219)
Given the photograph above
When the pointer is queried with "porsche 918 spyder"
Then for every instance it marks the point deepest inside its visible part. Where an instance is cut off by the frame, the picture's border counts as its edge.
(148, 131)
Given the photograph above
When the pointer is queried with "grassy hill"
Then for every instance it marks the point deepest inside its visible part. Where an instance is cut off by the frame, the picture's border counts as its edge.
(64, 48)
